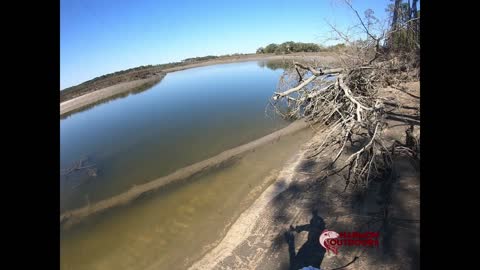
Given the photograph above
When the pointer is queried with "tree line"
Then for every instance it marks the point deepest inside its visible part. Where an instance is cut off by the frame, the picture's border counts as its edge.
(290, 47)
(293, 47)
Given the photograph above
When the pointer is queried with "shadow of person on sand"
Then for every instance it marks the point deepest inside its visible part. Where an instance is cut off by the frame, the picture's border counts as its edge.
(311, 253)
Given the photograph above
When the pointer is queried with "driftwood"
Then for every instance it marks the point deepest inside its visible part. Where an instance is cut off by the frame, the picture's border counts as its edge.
(80, 166)
(76, 166)
(316, 74)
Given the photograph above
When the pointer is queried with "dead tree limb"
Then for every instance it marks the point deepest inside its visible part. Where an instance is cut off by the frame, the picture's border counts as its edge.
(349, 105)
(79, 166)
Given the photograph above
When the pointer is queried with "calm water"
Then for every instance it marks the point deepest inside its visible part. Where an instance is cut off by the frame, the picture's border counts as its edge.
(189, 116)
(172, 228)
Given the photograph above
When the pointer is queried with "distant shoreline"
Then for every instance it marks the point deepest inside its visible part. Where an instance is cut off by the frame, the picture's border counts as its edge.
(96, 96)
(77, 104)
(252, 57)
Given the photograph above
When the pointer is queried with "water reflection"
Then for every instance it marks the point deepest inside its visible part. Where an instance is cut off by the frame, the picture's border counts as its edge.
(275, 64)
(134, 91)
(189, 116)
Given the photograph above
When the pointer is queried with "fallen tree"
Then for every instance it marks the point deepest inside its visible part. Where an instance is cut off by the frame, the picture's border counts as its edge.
(346, 100)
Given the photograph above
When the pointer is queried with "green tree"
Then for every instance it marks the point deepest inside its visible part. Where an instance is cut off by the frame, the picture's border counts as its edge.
(271, 48)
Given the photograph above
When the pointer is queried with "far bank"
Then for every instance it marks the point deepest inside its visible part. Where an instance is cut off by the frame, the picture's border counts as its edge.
(123, 88)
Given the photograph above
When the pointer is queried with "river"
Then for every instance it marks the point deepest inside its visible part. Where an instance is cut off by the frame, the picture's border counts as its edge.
(189, 116)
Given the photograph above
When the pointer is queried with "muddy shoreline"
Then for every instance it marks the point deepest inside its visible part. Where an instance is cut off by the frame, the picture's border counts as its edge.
(76, 104)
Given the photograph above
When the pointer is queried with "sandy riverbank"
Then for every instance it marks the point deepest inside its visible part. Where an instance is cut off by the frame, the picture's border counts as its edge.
(102, 94)
(111, 91)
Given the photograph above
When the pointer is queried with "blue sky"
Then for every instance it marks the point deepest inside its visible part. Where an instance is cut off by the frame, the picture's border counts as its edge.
(103, 36)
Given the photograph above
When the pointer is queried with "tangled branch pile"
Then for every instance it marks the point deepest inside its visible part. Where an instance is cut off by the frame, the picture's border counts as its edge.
(346, 100)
